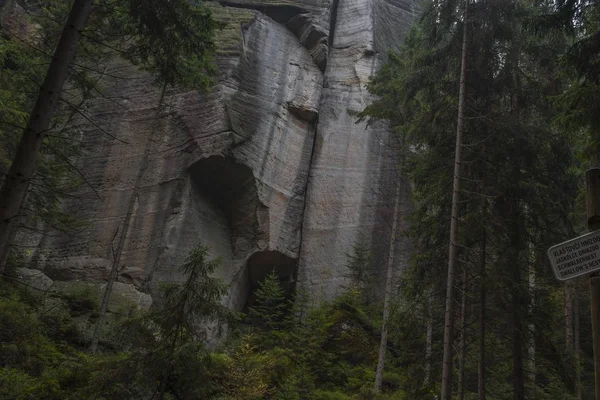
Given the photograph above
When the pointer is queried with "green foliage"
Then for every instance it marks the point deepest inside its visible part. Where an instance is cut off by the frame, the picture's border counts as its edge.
(81, 300)
(329, 395)
(172, 40)
(21, 67)
(360, 265)
(519, 172)
(271, 308)
(167, 345)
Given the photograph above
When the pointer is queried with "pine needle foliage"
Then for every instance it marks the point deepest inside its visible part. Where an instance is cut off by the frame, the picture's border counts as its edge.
(360, 265)
(270, 304)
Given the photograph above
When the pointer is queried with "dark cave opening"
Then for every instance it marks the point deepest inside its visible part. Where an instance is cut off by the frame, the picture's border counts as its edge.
(227, 184)
(263, 263)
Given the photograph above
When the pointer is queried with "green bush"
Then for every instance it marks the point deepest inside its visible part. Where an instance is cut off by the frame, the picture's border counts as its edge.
(60, 326)
(14, 384)
(329, 395)
(81, 300)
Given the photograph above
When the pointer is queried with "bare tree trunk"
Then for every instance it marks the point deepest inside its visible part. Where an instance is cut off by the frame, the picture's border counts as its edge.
(448, 320)
(388, 295)
(463, 336)
(518, 314)
(429, 337)
(569, 315)
(531, 346)
(518, 301)
(15, 186)
(481, 366)
(517, 355)
(578, 389)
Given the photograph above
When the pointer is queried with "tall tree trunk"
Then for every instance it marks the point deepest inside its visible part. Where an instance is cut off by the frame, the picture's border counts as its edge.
(448, 320)
(14, 188)
(578, 391)
(481, 363)
(387, 295)
(463, 336)
(517, 354)
(429, 337)
(531, 344)
(518, 295)
(569, 291)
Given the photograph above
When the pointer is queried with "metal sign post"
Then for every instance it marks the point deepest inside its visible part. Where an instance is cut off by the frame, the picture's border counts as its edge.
(576, 257)
(581, 256)
(592, 202)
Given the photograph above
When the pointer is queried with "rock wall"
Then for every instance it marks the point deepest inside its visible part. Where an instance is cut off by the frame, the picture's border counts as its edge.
(270, 169)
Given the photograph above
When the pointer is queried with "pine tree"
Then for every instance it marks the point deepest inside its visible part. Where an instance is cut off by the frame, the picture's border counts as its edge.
(515, 159)
(171, 345)
(360, 266)
(271, 309)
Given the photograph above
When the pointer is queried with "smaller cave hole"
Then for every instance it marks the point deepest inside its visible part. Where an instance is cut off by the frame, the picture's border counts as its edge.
(263, 263)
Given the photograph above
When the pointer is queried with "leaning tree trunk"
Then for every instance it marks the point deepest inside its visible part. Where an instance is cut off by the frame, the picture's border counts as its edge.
(448, 320)
(387, 295)
(15, 186)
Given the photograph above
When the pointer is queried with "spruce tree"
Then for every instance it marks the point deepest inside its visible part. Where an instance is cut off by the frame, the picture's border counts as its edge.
(360, 266)
(169, 343)
(271, 308)
(518, 182)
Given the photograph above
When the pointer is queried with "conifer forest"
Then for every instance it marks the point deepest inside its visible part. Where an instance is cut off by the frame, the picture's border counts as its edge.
(299, 199)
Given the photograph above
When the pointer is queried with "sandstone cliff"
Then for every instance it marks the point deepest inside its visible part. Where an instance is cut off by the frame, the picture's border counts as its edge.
(269, 169)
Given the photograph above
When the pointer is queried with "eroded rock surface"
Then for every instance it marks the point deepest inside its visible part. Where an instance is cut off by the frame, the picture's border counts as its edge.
(269, 169)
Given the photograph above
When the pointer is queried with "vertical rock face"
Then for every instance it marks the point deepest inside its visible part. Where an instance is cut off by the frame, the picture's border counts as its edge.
(356, 169)
(270, 169)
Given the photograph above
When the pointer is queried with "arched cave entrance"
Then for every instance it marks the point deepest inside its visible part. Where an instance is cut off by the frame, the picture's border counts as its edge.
(224, 213)
(229, 217)
(230, 187)
(263, 263)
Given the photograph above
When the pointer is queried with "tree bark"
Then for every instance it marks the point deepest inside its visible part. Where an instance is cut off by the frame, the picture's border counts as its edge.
(517, 355)
(569, 315)
(446, 391)
(481, 363)
(388, 295)
(14, 189)
(429, 337)
(518, 297)
(531, 344)
(578, 391)
(463, 336)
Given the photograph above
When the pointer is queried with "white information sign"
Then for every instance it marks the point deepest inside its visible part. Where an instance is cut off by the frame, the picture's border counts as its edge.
(576, 257)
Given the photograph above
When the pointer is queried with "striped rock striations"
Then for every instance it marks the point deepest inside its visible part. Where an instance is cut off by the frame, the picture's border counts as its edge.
(270, 169)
